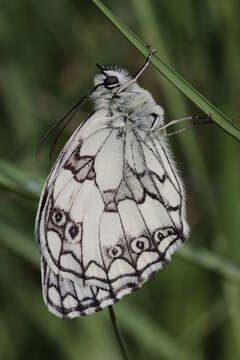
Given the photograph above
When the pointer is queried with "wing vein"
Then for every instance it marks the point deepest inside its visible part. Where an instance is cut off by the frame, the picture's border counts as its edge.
(150, 176)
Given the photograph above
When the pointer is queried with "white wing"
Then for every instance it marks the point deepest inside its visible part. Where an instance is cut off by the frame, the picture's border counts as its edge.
(111, 214)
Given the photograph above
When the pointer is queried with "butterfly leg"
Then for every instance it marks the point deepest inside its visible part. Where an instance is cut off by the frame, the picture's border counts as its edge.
(157, 117)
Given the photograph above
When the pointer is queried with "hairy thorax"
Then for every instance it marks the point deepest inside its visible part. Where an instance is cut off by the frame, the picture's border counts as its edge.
(132, 107)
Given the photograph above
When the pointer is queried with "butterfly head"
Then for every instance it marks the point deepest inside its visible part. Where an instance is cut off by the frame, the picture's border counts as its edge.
(111, 78)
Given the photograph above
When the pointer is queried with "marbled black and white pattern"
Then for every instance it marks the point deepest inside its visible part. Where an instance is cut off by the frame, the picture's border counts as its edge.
(112, 211)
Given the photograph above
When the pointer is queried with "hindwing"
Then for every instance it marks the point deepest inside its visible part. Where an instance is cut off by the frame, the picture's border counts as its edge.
(111, 214)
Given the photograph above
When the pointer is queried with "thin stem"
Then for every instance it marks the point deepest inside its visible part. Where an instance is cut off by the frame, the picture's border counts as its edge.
(117, 333)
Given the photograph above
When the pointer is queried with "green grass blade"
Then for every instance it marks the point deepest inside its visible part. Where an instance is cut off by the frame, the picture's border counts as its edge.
(18, 182)
(19, 243)
(210, 261)
(150, 335)
(205, 105)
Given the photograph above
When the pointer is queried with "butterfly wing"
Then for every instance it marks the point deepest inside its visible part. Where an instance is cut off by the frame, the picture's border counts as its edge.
(111, 214)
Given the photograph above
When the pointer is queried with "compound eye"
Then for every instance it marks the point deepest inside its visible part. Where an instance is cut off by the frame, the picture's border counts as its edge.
(110, 81)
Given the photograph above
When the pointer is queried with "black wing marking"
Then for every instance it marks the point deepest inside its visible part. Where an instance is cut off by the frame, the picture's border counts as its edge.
(81, 277)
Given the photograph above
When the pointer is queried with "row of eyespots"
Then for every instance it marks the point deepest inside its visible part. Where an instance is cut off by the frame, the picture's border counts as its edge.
(73, 231)
(137, 246)
(142, 243)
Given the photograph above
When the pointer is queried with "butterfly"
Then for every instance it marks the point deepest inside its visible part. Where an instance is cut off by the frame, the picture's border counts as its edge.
(112, 211)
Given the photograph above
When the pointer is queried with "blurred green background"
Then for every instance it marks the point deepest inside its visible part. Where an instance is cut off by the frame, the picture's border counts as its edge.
(48, 51)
